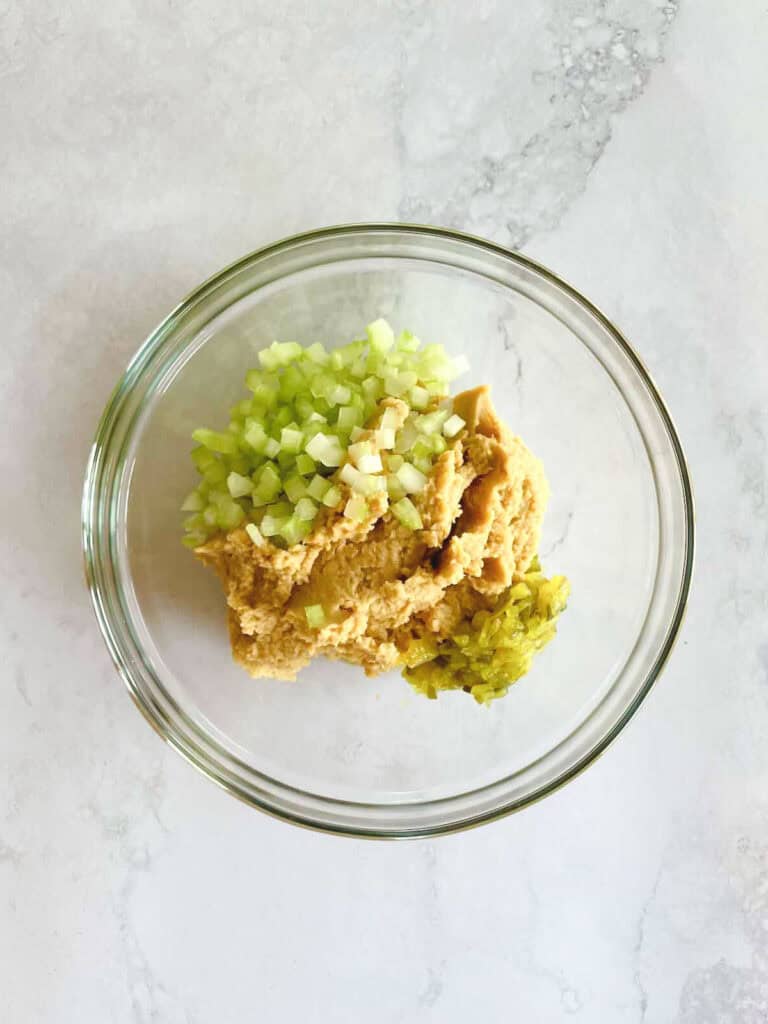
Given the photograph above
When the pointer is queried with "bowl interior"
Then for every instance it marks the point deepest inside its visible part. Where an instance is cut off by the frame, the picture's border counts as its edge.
(335, 734)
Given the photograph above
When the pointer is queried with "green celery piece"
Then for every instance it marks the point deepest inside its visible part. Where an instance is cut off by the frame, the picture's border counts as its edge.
(194, 540)
(356, 508)
(332, 496)
(315, 616)
(255, 435)
(294, 530)
(317, 354)
(239, 486)
(306, 509)
(305, 464)
(194, 502)
(215, 441)
(381, 337)
(230, 515)
(295, 488)
(280, 509)
(291, 440)
(271, 526)
(216, 473)
(318, 487)
(203, 458)
(407, 513)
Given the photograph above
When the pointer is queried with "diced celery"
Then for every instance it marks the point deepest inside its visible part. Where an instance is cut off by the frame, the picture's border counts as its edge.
(361, 483)
(356, 508)
(406, 437)
(305, 464)
(304, 406)
(317, 354)
(393, 386)
(318, 487)
(255, 534)
(453, 425)
(230, 515)
(291, 383)
(216, 473)
(372, 389)
(261, 383)
(326, 449)
(390, 420)
(395, 489)
(306, 417)
(280, 509)
(269, 483)
(359, 449)
(339, 395)
(194, 540)
(407, 342)
(194, 502)
(407, 513)
(295, 488)
(238, 486)
(291, 440)
(322, 385)
(271, 526)
(294, 530)
(370, 463)
(315, 616)
(332, 496)
(202, 458)
(349, 475)
(380, 336)
(286, 351)
(215, 441)
(353, 351)
(306, 509)
(411, 478)
(268, 359)
(432, 422)
(282, 417)
(349, 417)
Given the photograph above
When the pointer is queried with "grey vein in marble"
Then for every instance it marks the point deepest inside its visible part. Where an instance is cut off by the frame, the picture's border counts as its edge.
(506, 151)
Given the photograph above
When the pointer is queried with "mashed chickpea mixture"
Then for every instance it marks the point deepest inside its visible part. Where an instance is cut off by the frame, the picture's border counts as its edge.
(430, 569)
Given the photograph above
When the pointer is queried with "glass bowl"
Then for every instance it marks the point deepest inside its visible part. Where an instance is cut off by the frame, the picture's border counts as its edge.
(370, 757)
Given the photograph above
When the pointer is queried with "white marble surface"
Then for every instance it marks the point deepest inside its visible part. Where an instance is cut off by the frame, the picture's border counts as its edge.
(623, 142)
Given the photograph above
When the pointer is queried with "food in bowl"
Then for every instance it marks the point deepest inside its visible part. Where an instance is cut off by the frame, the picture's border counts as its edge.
(354, 510)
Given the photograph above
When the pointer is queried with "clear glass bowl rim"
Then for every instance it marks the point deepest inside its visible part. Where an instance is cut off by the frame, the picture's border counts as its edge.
(100, 518)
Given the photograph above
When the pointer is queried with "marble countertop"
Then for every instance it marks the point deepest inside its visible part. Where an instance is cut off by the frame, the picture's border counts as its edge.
(623, 143)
